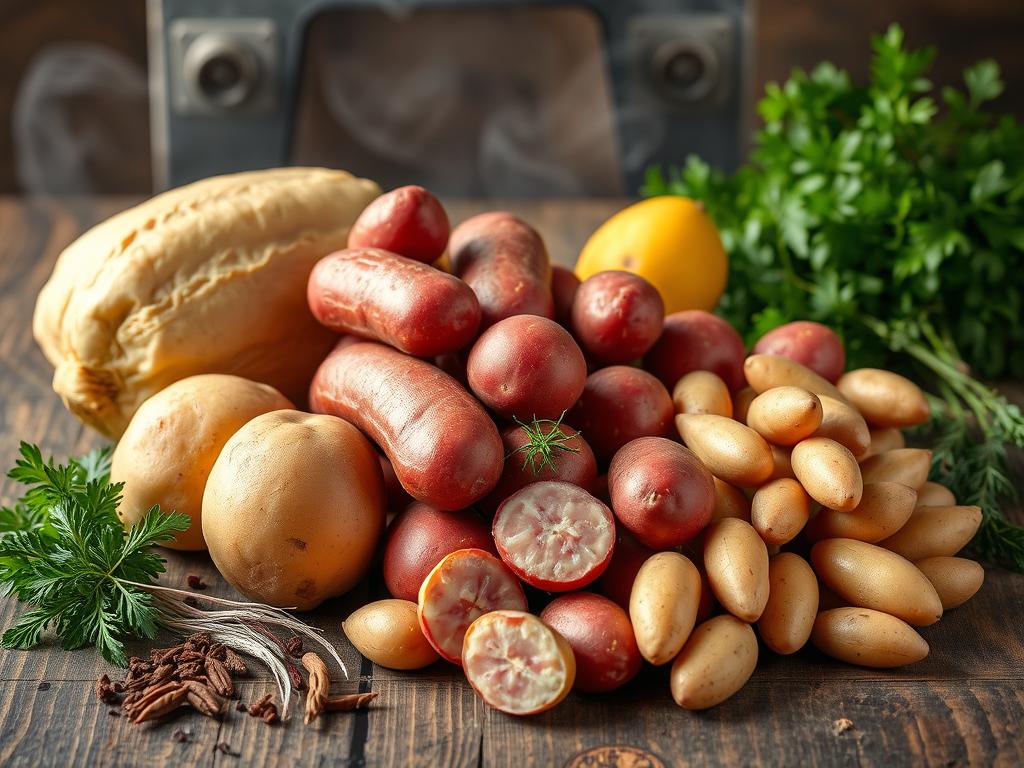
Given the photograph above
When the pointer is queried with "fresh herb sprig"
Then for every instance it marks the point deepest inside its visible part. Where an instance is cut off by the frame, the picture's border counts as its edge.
(901, 226)
(546, 438)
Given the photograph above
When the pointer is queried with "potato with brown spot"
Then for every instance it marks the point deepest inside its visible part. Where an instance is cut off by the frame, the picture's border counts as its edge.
(172, 441)
(294, 508)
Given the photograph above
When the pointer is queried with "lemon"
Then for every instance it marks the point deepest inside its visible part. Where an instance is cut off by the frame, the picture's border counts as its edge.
(668, 240)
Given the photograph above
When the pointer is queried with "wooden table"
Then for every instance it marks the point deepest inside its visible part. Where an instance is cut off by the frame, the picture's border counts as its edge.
(964, 704)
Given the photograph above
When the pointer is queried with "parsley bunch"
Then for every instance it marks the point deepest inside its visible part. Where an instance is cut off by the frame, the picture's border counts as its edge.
(900, 224)
(64, 551)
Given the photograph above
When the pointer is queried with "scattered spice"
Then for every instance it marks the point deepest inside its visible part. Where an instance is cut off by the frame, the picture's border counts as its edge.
(181, 737)
(842, 725)
(225, 748)
(349, 702)
(319, 685)
(105, 691)
(265, 709)
(114, 712)
(196, 582)
(294, 646)
(43, 687)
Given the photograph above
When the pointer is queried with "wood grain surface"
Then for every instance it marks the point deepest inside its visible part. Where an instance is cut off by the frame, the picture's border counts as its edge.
(963, 705)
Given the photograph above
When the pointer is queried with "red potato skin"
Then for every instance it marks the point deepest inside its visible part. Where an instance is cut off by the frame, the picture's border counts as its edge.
(660, 491)
(617, 316)
(616, 583)
(579, 468)
(503, 259)
(811, 344)
(408, 221)
(444, 447)
(601, 637)
(619, 404)
(420, 537)
(380, 295)
(564, 285)
(695, 340)
(526, 366)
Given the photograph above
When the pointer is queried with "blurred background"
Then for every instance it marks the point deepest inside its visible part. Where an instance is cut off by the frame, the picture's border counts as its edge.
(530, 98)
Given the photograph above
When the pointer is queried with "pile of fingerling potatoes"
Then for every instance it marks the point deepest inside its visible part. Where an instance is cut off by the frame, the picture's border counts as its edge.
(582, 484)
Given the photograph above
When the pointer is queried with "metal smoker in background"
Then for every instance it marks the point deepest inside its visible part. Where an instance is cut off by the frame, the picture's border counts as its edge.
(468, 97)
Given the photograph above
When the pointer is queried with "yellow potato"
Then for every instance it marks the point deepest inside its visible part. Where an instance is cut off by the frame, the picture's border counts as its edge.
(785, 415)
(882, 440)
(844, 424)
(663, 605)
(702, 392)
(388, 633)
(828, 472)
(715, 663)
(741, 403)
(792, 604)
(956, 579)
(907, 466)
(732, 451)
(868, 638)
(884, 398)
(883, 510)
(782, 463)
(935, 495)
(736, 561)
(779, 510)
(765, 372)
(872, 577)
(934, 531)
(730, 502)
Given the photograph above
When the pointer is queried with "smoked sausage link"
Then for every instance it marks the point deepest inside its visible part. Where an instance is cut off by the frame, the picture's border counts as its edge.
(380, 295)
(445, 449)
(504, 261)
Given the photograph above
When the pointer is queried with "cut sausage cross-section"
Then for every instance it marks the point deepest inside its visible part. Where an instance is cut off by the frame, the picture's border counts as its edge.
(462, 587)
(554, 535)
(517, 663)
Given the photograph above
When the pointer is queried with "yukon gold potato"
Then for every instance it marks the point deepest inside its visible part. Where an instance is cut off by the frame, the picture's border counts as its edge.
(907, 466)
(882, 440)
(867, 638)
(884, 398)
(172, 441)
(741, 404)
(934, 531)
(736, 561)
(844, 424)
(702, 392)
(792, 604)
(872, 577)
(884, 508)
(663, 605)
(956, 579)
(732, 451)
(828, 472)
(388, 633)
(935, 495)
(782, 463)
(779, 510)
(715, 663)
(730, 501)
(766, 372)
(785, 415)
(294, 508)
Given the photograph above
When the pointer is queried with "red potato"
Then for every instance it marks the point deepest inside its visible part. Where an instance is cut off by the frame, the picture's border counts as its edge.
(504, 261)
(516, 663)
(420, 537)
(695, 340)
(444, 447)
(811, 344)
(554, 536)
(601, 637)
(564, 285)
(409, 221)
(616, 583)
(619, 404)
(381, 295)
(526, 367)
(617, 316)
(572, 462)
(660, 491)
(462, 587)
